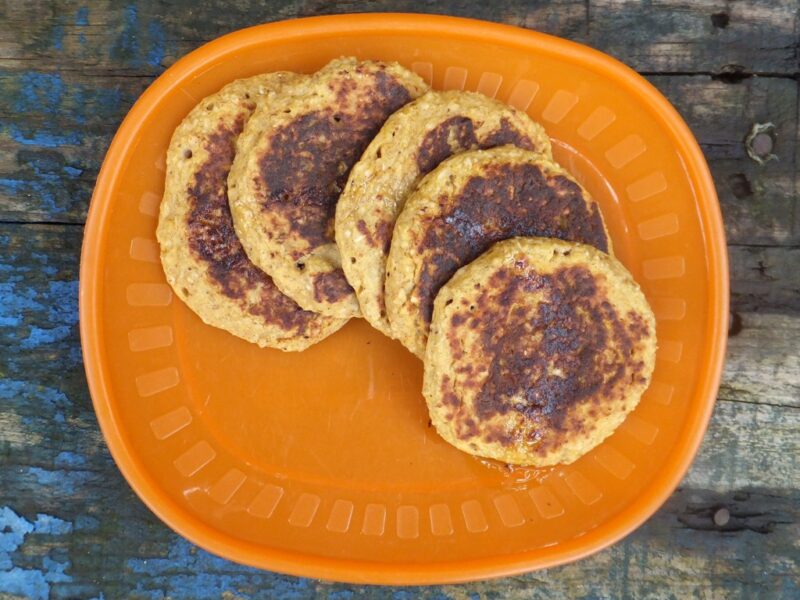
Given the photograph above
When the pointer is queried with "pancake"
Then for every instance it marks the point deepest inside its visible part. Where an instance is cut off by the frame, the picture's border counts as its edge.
(461, 208)
(203, 260)
(412, 142)
(538, 351)
(292, 162)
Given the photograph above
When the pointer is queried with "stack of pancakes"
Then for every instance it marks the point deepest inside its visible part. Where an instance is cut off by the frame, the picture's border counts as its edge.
(295, 202)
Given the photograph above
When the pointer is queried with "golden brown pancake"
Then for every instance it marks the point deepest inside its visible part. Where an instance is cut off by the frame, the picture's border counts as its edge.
(412, 142)
(538, 350)
(292, 163)
(203, 260)
(461, 208)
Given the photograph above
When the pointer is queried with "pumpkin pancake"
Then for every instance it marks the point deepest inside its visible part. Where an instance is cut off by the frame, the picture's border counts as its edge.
(203, 260)
(461, 208)
(538, 350)
(292, 163)
(412, 142)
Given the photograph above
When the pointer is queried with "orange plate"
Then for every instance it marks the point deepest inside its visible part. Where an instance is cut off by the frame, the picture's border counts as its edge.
(322, 463)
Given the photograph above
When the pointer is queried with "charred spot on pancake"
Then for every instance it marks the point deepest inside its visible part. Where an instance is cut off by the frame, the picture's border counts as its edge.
(213, 240)
(381, 236)
(331, 286)
(468, 428)
(572, 347)
(364, 230)
(506, 200)
(449, 397)
(506, 134)
(457, 134)
(458, 319)
(499, 436)
(447, 138)
(636, 325)
(309, 159)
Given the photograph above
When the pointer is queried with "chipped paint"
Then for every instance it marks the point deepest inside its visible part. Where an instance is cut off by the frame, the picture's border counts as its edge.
(155, 55)
(82, 16)
(33, 583)
(188, 572)
(140, 45)
(52, 400)
(109, 551)
(44, 178)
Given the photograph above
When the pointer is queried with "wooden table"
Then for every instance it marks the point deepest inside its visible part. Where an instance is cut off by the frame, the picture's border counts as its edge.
(70, 527)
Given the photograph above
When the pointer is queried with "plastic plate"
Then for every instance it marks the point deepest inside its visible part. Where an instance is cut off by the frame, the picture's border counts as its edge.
(322, 463)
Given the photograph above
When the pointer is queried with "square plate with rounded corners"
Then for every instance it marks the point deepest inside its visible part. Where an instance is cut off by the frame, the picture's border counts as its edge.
(322, 463)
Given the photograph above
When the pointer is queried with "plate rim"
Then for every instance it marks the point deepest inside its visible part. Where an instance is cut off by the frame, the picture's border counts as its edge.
(405, 573)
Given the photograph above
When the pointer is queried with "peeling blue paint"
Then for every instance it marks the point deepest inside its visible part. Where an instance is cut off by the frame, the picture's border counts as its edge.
(24, 582)
(38, 91)
(82, 16)
(13, 185)
(65, 481)
(41, 190)
(157, 44)
(52, 402)
(139, 45)
(13, 529)
(127, 44)
(86, 523)
(38, 336)
(70, 460)
(46, 524)
(63, 296)
(55, 571)
(58, 36)
(45, 139)
(14, 302)
(48, 93)
(186, 574)
(58, 301)
(106, 102)
(44, 177)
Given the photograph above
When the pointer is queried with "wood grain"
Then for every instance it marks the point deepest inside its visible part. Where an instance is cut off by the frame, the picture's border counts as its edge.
(713, 36)
(50, 158)
(70, 527)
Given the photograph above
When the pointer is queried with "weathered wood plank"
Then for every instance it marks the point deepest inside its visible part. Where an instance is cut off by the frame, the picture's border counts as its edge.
(144, 37)
(759, 377)
(672, 36)
(688, 36)
(70, 526)
(54, 132)
(765, 278)
(58, 118)
(758, 202)
(55, 128)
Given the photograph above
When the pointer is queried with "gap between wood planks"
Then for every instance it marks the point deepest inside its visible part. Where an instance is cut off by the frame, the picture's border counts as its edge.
(42, 222)
(731, 74)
